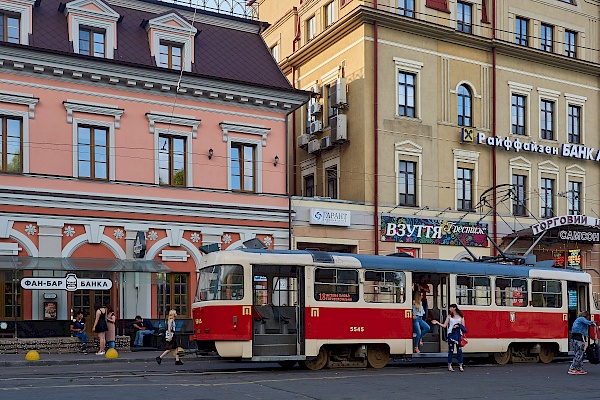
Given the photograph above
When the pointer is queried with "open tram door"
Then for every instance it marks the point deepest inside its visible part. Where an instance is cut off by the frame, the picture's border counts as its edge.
(435, 287)
(578, 299)
(277, 293)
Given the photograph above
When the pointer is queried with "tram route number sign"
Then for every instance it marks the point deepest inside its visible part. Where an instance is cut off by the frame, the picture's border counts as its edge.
(70, 283)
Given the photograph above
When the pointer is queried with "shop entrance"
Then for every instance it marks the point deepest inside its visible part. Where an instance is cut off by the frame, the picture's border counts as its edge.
(85, 300)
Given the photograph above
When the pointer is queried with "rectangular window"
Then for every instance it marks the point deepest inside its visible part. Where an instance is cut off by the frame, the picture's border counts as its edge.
(547, 197)
(220, 282)
(243, 168)
(520, 191)
(547, 119)
(521, 36)
(10, 295)
(546, 293)
(92, 42)
(332, 112)
(333, 284)
(574, 198)
(574, 124)
(518, 114)
(170, 55)
(473, 290)
(465, 188)
(463, 17)
(10, 28)
(547, 38)
(384, 287)
(92, 152)
(309, 186)
(570, 44)
(408, 183)
(329, 14)
(172, 294)
(406, 8)
(406, 94)
(275, 52)
(311, 28)
(171, 160)
(511, 292)
(11, 144)
(332, 182)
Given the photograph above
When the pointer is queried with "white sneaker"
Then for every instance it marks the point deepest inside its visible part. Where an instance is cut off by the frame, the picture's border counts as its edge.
(100, 353)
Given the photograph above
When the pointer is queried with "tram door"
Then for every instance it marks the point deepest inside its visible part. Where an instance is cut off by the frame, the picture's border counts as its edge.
(438, 299)
(578, 301)
(277, 310)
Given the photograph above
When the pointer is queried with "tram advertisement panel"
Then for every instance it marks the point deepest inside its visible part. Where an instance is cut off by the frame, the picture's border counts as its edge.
(433, 231)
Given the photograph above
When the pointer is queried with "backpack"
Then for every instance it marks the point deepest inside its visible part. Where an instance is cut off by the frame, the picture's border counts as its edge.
(593, 353)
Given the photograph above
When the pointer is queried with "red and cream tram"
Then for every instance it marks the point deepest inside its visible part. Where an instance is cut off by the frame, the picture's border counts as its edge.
(327, 309)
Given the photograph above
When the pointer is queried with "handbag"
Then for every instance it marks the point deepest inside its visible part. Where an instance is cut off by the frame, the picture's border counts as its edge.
(169, 333)
(463, 342)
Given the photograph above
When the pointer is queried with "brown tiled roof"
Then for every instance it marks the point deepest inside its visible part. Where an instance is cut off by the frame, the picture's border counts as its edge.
(221, 53)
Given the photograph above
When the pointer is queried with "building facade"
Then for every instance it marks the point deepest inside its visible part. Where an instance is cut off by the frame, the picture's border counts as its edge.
(444, 120)
(133, 132)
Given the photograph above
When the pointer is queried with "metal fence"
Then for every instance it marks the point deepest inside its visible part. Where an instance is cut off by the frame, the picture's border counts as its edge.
(237, 8)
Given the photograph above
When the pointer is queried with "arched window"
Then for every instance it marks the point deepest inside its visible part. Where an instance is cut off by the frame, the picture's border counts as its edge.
(465, 109)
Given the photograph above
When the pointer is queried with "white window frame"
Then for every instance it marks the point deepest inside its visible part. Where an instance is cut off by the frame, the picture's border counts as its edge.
(24, 9)
(576, 173)
(184, 35)
(467, 157)
(111, 144)
(311, 28)
(332, 160)
(309, 167)
(520, 166)
(548, 95)
(575, 100)
(258, 161)
(106, 20)
(523, 90)
(188, 153)
(408, 150)
(329, 11)
(24, 99)
(275, 49)
(413, 67)
(544, 169)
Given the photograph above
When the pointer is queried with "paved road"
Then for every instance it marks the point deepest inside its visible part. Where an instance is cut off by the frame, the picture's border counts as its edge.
(216, 379)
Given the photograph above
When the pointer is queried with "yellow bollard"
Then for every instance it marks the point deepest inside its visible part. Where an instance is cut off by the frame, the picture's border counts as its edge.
(32, 355)
(112, 353)
(179, 351)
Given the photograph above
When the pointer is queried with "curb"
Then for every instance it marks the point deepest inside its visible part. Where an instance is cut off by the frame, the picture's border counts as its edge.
(42, 362)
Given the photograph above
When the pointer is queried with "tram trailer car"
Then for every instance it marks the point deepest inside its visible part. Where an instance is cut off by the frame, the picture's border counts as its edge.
(329, 309)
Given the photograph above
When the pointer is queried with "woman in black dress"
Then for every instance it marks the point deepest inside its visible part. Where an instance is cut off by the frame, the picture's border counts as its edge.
(100, 327)
(171, 342)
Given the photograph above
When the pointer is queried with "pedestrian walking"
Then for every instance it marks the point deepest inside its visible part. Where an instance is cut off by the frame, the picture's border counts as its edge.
(171, 341)
(111, 333)
(579, 334)
(455, 323)
(100, 327)
(420, 327)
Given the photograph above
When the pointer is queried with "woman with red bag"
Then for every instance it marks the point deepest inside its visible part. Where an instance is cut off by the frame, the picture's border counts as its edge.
(455, 323)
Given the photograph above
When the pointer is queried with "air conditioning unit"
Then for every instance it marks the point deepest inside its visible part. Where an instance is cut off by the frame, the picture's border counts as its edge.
(316, 89)
(314, 146)
(316, 108)
(326, 142)
(339, 129)
(337, 93)
(302, 141)
(315, 127)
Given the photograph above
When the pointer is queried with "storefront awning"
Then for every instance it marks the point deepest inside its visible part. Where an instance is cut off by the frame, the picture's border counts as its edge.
(81, 264)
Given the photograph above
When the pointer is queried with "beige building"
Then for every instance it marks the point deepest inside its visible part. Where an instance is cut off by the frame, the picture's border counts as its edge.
(424, 106)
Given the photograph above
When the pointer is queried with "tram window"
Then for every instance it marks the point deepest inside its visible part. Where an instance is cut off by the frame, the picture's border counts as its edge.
(511, 292)
(546, 293)
(384, 287)
(220, 282)
(473, 290)
(336, 284)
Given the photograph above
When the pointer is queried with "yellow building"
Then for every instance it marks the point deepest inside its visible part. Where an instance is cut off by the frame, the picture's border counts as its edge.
(428, 113)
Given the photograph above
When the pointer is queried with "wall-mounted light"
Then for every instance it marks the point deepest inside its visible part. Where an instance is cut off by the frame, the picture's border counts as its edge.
(276, 161)
(210, 153)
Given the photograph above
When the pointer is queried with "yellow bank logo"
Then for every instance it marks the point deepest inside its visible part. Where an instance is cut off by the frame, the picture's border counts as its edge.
(246, 310)
(467, 134)
(314, 312)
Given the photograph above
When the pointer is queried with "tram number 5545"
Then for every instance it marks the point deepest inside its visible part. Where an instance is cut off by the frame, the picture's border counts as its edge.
(357, 329)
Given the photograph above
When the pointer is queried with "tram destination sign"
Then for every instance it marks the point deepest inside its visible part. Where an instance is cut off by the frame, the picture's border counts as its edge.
(583, 220)
(433, 231)
(70, 283)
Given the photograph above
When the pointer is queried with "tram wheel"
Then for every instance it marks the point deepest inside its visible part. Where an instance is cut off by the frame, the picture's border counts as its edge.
(319, 361)
(288, 364)
(546, 354)
(503, 357)
(378, 355)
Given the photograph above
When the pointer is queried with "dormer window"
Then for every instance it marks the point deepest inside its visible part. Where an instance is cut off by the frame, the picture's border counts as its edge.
(92, 28)
(171, 41)
(10, 28)
(92, 42)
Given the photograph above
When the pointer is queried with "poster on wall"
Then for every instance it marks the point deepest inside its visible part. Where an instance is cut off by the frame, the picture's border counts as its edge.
(574, 259)
(50, 310)
(433, 231)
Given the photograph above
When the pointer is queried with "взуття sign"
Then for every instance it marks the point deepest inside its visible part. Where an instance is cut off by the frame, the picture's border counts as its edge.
(70, 283)
(433, 231)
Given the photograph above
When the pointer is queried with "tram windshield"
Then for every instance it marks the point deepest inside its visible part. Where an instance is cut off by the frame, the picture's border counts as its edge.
(220, 282)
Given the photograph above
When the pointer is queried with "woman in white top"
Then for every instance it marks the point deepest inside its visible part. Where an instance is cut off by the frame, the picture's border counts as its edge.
(453, 320)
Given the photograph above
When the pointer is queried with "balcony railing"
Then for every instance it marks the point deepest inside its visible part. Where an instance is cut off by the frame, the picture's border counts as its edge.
(238, 8)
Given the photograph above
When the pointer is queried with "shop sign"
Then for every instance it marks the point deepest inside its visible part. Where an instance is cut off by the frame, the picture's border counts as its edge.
(569, 150)
(319, 216)
(583, 220)
(574, 259)
(70, 283)
(559, 259)
(433, 231)
(139, 245)
(579, 236)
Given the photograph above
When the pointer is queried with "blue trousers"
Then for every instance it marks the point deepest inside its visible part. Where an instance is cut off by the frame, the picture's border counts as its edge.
(451, 345)
(420, 329)
(80, 335)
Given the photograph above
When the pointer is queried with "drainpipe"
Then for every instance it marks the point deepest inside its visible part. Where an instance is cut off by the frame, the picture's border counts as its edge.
(494, 170)
(375, 134)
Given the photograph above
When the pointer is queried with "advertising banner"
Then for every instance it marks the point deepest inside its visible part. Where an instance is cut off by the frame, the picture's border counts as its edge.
(433, 231)
(574, 259)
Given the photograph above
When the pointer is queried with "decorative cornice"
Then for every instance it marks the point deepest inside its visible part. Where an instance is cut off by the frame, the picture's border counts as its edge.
(92, 108)
(227, 126)
(76, 6)
(18, 98)
(175, 119)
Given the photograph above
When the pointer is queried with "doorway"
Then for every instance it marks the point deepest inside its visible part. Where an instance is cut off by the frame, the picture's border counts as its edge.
(85, 300)
(435, 288)
(578, 301)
